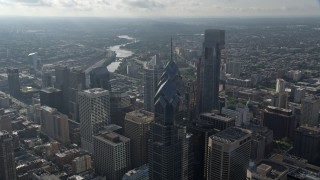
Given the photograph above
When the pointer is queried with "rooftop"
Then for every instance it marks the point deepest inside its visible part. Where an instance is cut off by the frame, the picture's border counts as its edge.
(230, 135)
(221, 117)
(50, 90)
(270, 169)
(112, 138)
(139, 116)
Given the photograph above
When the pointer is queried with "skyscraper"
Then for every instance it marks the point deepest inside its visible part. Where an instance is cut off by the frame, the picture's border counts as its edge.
(51, 97)
(281, 121)
(307, 143)
(214, 41)
(229, 154)
(137, 128)
(94, 107)
(170, 153)
(70, 81)
(99, 78)
(13, 82)
(280, 86)
(7, 161)
(111, 155)
(152, 73)
(310, 107)
(119, 106)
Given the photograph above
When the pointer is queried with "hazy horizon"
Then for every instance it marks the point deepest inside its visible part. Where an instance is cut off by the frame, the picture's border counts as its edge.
(160, 8)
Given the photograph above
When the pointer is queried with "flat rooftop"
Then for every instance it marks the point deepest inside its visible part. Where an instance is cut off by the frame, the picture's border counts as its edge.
(270, 169)
(139, 116)
(221, 117)
(95, 91)
(311, 130)
(50, 90)
(230, 135)
(112, 138)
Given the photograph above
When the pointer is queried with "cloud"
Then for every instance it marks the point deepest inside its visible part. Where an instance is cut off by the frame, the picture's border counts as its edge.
(27, 2)
(144, 4)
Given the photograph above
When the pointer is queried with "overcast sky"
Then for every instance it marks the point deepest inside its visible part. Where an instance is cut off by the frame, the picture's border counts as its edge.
(162, 8)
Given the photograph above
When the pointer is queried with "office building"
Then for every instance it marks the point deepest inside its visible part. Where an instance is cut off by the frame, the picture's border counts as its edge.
(94, 106)
(46, 79)
(281, 121)
(218, 121)
(99, 78)
(70, 82)
(310, 108)
(111, 155)
(141, 173)
(119, 106)
(234, 68)
(54, 124)
(214, 41)
(201, 132)
(262, 142)
(51, 97)
(5, 123)
(137, 128)
(7, 161)
(267, 170)
(298, 93)
(170, 151)
(34, 61)
(307, 143)
(229, 154)
(280, 86)
(152, 74)
(13, 82)
(4, 100)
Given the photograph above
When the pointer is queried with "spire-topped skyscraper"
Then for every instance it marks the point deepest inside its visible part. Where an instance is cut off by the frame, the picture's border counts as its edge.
(169, 149)
(152, 73)
(214, 41)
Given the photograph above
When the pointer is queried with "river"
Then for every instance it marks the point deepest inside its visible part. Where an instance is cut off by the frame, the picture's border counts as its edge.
(121, 53)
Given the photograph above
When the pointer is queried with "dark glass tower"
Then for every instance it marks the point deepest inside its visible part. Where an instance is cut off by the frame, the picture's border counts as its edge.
(214, 41)
(99, 78)
(13, 82)
(170, 155)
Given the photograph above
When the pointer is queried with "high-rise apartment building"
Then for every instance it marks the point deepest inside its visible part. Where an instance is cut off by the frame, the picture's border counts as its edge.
(229, 154)
(111, 155)
(94, 107)
(310, 108)
(13, 82)
(281, 121)
(52, 97)
(214, 41)
(54, 124)
(170, 152)
(99, 78)
(152, 74)
(137, 128)
(7, 161)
